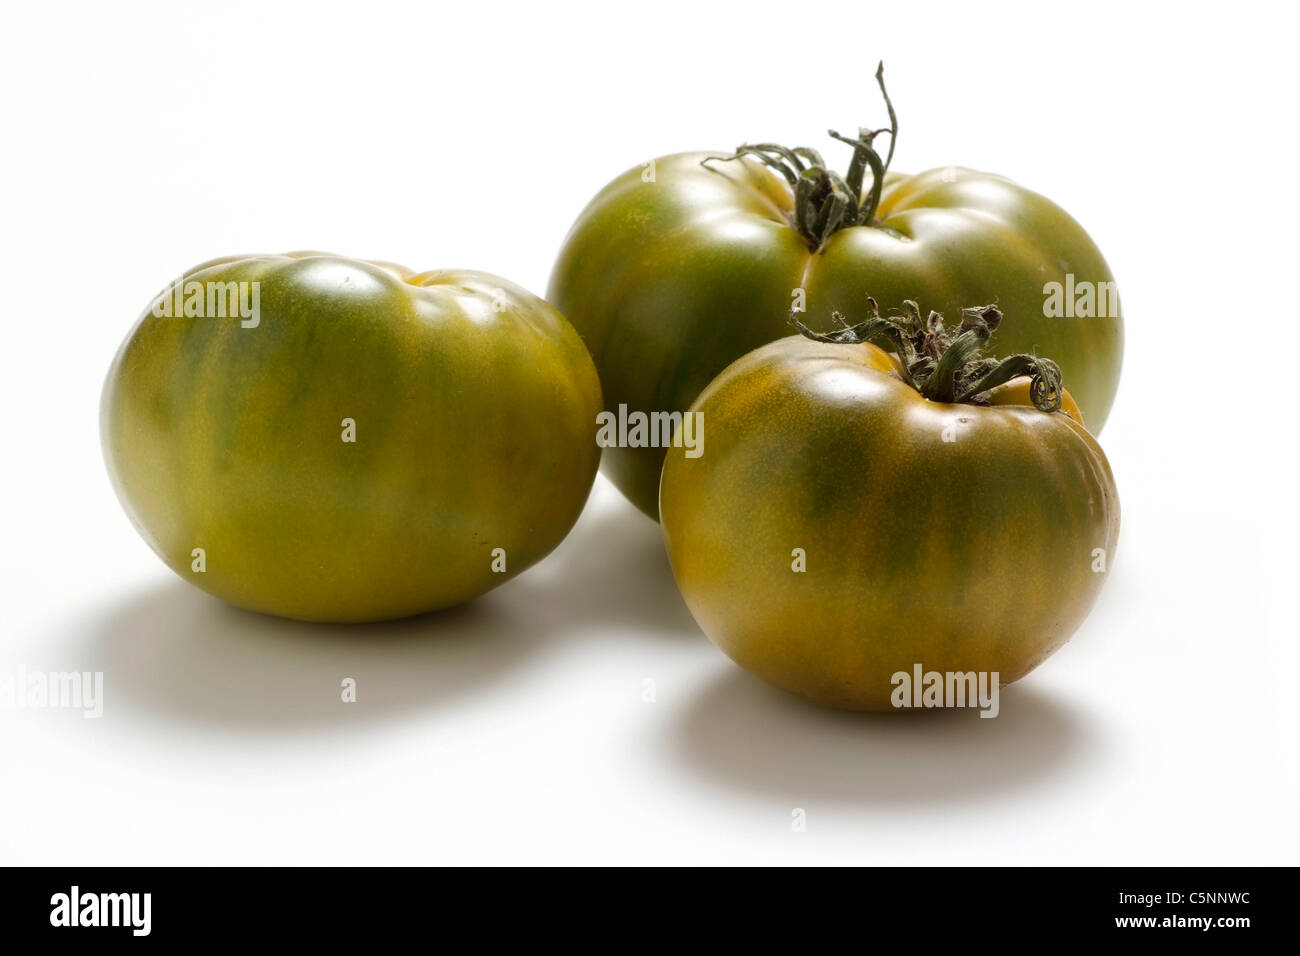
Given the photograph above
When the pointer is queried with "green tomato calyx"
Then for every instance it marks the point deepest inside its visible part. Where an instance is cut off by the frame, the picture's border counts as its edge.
(943, 365)
(824, 201)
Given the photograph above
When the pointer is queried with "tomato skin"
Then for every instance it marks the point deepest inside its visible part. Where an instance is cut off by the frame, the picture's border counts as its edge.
(972, 554)
(669, 281)
(473, 426)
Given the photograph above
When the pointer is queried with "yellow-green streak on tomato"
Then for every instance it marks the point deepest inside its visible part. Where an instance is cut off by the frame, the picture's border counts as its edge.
(674, 271)
(472, 406)
(955, 536)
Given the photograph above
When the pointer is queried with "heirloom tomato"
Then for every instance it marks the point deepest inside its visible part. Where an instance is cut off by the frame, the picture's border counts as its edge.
(333, 439)
(855, 514)
(680, 266)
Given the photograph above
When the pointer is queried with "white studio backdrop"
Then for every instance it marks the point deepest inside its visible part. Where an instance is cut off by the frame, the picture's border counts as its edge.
(139, 139)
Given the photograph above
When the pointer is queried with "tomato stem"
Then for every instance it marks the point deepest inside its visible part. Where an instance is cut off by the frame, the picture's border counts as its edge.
(947, 366)
(824, 201)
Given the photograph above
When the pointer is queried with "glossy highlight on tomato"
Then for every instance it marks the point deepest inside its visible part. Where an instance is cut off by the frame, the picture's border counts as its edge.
(374, 443)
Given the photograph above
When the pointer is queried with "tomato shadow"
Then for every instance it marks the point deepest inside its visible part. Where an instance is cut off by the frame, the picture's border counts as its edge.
(614, 575)
(743, 735)
(176, 655)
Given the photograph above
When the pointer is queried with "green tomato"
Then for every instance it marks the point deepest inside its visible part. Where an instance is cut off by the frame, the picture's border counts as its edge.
(677, 269)
(360, 442)
(839, 528)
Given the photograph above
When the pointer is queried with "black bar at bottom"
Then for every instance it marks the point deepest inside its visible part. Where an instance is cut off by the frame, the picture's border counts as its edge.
(331, 905)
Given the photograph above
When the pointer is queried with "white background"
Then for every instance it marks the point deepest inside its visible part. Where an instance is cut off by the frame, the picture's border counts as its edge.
(139, 139)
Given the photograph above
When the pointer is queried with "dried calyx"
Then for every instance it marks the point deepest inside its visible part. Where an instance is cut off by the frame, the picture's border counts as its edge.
(824, 201)
(943, 365)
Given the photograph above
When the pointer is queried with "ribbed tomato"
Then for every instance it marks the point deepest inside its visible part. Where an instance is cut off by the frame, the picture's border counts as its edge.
(338, 440)
(850, 518)
(679, 267)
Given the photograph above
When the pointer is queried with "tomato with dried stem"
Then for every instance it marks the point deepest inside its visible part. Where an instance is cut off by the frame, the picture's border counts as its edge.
(857, 511)
(681, 266)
